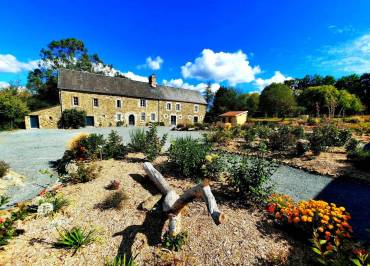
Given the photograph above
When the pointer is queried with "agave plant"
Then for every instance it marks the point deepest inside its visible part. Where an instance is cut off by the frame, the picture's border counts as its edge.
(75, 238)
(121, 261)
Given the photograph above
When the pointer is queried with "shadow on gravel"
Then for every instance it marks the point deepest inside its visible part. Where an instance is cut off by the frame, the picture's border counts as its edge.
(355, 197)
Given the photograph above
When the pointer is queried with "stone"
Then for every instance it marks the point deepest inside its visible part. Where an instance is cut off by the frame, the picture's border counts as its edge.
(150, 202)
(45, 209)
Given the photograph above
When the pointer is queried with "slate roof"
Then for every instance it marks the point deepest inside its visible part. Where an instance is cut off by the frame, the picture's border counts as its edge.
(72, 80)
(233, 113)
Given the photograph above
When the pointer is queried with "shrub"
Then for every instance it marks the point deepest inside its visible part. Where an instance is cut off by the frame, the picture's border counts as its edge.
(8, 228)
(72, 118)
(282, 139)
(302, 146)
(154, 143)
(329, 220)
(85, 173)
(227, 126)
(121, 261)
(352, 120)
(4, 200)
(250, 134)
(75, 238)
(263, 131)
(58, 202)
(91, 147)
(312, 121)
(213, 167)
(137, 140)
(113, 185)
(114, 200)
(328, 136)
(352, 144)
(174, 242)
(251, 176)
(298, 132)
(317, 141)
(4, 167)
(237, 131)
(360, 158)
(218, 136)
(344, 136)
(187, 155)
(114, 147)
(120, 123)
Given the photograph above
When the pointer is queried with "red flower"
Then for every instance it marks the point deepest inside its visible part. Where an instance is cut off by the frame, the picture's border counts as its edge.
(271, 207)
(43, 192)
(2, 220)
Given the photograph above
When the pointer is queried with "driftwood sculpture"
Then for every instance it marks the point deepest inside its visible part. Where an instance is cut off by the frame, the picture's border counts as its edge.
(173, 203)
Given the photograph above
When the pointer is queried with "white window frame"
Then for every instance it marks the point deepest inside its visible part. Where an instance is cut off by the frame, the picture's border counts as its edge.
(73, 101)
(118, 101)
(178, 104)
(141, 117)
(168, 103)
(155, 116)
(144, 101)
(196, 108)
(95, 106)
(120, 114)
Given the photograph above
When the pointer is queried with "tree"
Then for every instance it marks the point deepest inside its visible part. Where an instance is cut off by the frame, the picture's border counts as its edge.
(208, 95)
(249, 102)
(13, 108)
(225, 99)
(364, 93)
(277, 100)
(348, 103)
(67, 53)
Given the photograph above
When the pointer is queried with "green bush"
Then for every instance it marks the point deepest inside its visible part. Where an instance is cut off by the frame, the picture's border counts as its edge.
(352, 144)
(344, 136)
(91, 147)
(72, 118)
(317, 141)
(298, 132)
(282, 139)
(312, 121)
(8, 228)
(153, 143)
(85, 173)
(250, 134)
(4, 167)
(137, 140)
(75, 238)
(114, 147)
(360, 158)
(174, 242)
(219, 136)
(263, 131)
(214, 166)
(188, 155)
(302, 146)
(251, 176)
(121, 261)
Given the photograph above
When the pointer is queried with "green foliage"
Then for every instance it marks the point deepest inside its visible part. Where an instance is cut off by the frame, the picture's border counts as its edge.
(277, 100)
(317, 141)
(72, 118)
(58, 201)
(137, 140)
(85, 173)
(4, 167)
(352, 144)
(214, 166)
(312, 121)
(174, 242)
(4, 200)
(282, 139)
(121, 261)
(360, 158)
(114, 147)
(187, 155)
(302, 147)
(8, 229)
(75, 238)
(13, 109)
(298, 132)
(251, 176)
(91, 147)
(250, 134)
(154, 143)
(219, 136)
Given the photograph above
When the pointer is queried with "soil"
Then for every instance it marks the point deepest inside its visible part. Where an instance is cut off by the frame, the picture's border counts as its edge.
(245, 239)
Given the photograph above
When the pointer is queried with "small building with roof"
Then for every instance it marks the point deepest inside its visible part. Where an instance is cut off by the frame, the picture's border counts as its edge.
(235, 117)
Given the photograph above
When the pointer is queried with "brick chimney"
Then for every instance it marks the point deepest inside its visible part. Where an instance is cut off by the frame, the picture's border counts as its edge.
(153, 80)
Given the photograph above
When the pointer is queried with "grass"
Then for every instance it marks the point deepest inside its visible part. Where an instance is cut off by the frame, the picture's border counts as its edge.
(74, 239)
(121, 261)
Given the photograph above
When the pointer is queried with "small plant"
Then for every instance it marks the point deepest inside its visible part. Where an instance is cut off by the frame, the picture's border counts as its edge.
(250, 134)
(7, 226)
(282, 139)
(174, 242)
(213, 166)
(137, 140)
(352, 144)
(153, 143)
(317, 141)
(75, 238)
(187, 155)
(302, 146)
(113, 185)
(114, 201)
(114, 147)
(4, 200)
(4, 167)
(58, 202)
(72, 118)
(360, 158)
(85, 173)
(121, 261)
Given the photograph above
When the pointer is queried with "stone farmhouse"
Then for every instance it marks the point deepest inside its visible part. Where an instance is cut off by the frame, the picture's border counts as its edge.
(115, 101)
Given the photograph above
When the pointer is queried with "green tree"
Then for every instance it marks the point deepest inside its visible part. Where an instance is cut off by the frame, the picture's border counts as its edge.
(249, 102)
(13, 108)
(225, 99)
(67, 53)
(348, 103)
(277, 100)
(208, 95)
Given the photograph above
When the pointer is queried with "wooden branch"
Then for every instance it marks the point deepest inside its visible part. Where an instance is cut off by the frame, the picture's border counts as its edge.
(173, 203)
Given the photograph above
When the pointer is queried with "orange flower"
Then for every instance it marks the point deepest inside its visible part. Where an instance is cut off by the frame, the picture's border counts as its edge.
(327, 233)
(330, 226)
(321, 229)
(277, 215)
(304, 218)
(296, 220)
(2, 219)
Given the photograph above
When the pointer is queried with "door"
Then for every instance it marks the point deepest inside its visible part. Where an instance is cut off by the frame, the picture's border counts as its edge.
(34, 121)
(131, 120)
(195, 119)
(89, 121)
(173, 120)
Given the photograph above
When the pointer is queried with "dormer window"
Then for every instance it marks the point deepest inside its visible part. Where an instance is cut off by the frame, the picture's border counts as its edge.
(119, 103)
(142, 103)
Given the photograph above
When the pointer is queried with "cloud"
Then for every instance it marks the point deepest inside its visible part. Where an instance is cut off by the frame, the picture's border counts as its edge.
(4, 84)
(348, 29)
(10, 64)
(221, 66)
(154, 64)
(276, 78)
(349, 57)
(133, 76)
(179, 83)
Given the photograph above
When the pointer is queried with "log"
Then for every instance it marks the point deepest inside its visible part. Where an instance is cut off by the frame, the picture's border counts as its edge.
(173, 203)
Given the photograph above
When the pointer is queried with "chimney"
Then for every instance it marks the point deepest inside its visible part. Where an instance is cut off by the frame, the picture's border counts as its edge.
(153, 80)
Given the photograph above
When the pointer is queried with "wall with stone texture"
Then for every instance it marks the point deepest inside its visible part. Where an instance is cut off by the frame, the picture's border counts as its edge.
(48, 117)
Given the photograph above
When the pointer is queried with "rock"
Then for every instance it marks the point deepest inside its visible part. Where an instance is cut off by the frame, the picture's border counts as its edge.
(191, 129)
(45, 208)
(150, 202)
(11, 179)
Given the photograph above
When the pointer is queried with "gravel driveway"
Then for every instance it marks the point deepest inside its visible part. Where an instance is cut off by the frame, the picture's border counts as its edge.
(28, 151)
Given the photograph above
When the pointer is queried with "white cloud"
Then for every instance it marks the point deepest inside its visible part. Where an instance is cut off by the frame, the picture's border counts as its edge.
(4, 84)
(9, 63)
(133, 76)
(353, 56)
(221, 66)
(179, 83)
(276, 78)
(154, 64)
(348, 29)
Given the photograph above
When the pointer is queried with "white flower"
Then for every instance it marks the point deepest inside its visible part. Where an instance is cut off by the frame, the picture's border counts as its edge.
(44, 209)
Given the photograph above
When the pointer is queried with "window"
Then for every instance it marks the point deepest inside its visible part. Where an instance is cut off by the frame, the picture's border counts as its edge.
(119, 104)
(96, 102)
(142, 103)
(152, 117)
(75, 101)
(178, 107)
(142, 116)
(169, 106)
(119, 117)
(195, 119)
(196, 108)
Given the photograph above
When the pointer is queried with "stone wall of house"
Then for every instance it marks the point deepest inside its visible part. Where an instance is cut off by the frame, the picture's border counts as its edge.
(107, 113)
(48, 117)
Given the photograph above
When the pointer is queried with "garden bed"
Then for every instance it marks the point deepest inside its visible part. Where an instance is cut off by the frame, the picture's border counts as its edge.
(244, 239)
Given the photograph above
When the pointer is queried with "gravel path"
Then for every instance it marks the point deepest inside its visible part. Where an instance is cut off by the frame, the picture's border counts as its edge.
(28, 151)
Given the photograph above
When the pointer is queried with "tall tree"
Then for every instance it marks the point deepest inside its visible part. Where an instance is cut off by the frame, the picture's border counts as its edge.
(208, 95)
(67, 53)
(249, 102)
(225, 99)
(277, 100)
(13, 108)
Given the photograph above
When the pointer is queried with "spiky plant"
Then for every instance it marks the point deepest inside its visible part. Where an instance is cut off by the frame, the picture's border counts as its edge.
(74, 238)
(121, 261)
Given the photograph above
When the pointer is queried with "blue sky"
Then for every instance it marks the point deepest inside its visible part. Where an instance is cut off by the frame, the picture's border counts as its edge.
(246, 44)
